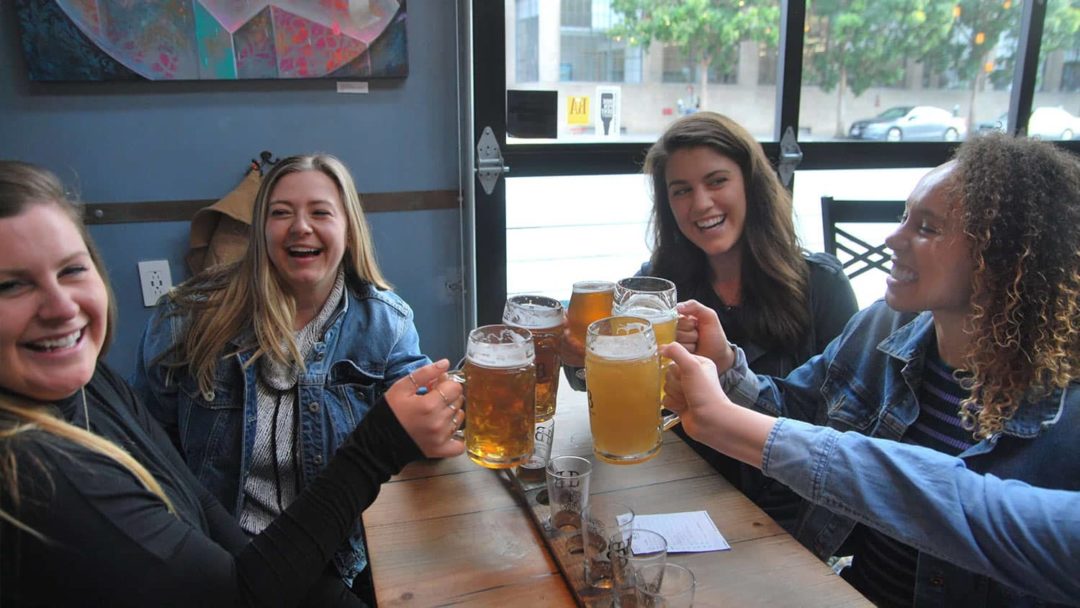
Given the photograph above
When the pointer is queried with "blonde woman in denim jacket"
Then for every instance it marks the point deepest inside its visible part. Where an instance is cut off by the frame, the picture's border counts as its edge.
(259, 370)
(974, 352)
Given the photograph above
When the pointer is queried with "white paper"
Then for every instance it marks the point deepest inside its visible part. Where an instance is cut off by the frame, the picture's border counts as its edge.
(688, 532)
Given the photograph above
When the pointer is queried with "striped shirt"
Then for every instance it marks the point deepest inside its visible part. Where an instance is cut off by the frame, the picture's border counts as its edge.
(883, 569)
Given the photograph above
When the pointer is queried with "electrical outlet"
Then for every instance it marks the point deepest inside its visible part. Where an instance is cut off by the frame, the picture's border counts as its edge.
(156, 280)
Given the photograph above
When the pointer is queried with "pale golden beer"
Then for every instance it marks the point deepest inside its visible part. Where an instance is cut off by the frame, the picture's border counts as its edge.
(542, 316)
(622, 373)
(500, 396)
(654, 299)
(664, 323)
(590, 301)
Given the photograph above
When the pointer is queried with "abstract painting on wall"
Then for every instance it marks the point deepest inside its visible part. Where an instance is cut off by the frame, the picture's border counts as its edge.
(71, 40)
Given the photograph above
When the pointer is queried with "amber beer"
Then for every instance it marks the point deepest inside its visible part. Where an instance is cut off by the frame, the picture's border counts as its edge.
(500, 385)
(591, 301)
(622, 373)
(543, 317)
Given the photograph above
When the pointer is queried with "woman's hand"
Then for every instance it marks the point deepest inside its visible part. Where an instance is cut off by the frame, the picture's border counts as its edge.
(571, 350)
(700, 333)
(431, 418)
(692, 390)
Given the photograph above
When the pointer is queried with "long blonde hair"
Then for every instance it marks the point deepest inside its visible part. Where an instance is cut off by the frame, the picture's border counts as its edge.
(222, 302)
(21, 186)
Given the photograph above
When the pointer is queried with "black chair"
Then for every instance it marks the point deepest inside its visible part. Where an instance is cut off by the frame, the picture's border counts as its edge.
(864, 256)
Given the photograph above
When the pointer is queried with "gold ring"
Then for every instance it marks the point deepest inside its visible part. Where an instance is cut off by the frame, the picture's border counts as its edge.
(445, 400)
(413, 380)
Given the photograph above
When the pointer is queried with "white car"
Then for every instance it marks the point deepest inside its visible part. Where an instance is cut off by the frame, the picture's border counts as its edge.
(1045, 123)
(1053, 123)
(910, 123)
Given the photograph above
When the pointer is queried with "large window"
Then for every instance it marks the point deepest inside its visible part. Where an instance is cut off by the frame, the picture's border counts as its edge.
(893, 70)
(1056, 105)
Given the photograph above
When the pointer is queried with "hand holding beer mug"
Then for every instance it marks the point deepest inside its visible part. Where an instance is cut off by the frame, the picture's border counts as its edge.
(500, 386)
(654, 299)
(590, 301)
(622, 368)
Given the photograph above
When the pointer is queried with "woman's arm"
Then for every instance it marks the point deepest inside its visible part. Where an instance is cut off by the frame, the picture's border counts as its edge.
(113, 540)
(1024, 536)
(1021, 535)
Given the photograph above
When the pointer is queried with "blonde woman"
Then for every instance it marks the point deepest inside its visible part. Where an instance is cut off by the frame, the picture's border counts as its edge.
(96, 506)
(259, 370)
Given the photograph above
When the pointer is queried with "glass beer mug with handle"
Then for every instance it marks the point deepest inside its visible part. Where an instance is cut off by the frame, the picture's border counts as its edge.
(543, 317)
(654, 299)
(500, 393)
(590, 301)
(622, 368)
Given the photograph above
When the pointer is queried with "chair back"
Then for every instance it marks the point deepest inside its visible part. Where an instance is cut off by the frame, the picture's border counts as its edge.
(859, 255)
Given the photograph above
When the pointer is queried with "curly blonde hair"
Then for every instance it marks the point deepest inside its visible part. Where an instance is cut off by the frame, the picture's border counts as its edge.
(1019, 201)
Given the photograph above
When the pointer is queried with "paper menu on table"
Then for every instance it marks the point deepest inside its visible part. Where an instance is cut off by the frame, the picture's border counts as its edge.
(688, 532)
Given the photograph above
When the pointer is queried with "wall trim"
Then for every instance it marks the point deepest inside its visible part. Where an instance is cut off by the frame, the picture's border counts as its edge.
(183, 211)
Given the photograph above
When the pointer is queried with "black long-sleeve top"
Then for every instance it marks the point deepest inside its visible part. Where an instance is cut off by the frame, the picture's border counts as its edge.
(110, 542)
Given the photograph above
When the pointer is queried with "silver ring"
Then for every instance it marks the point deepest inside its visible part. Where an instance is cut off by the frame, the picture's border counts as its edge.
(413, 380)
(445, 400)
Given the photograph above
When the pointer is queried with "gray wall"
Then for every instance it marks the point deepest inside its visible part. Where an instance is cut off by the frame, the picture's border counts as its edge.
(148, 141)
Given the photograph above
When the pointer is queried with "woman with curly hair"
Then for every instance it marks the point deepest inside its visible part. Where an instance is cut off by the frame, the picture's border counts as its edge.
(974, 352)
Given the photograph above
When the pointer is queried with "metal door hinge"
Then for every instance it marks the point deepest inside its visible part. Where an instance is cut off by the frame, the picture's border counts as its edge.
(489, 160)
(790, 156)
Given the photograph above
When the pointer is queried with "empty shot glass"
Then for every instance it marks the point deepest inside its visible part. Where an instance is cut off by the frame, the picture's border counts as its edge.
(568, 491)
(603, 519)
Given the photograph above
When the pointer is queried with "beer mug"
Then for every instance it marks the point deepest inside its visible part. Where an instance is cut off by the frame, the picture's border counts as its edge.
(654, 299)
(544, 318)
(590, 301)
(622, 371)
(500, 391)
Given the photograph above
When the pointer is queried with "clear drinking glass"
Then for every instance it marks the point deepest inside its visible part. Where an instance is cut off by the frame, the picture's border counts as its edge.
(654, 299)
(623, 380)
(500, 392)
(590, 301)
(543, 317)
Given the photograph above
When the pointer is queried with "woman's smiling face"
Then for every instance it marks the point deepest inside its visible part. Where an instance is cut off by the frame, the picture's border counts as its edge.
(708, 198)
(53, 305)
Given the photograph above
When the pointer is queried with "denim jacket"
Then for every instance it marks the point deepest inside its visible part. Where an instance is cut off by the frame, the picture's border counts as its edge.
(867, 381)
(370, 342)
(951, 512)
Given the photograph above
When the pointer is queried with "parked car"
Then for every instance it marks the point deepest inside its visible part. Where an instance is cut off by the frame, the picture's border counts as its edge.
(1045, 123)
(910, 123)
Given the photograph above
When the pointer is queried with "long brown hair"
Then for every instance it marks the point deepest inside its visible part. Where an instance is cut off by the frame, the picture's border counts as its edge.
(222, 302)
(1019, 201)
(775, 275)
(21, 186)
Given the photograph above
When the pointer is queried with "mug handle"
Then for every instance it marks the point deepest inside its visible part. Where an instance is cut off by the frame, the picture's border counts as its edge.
(668, 422)
(458, 375)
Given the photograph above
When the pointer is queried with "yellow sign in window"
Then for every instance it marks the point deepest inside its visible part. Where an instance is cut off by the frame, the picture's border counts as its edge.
(577, 111)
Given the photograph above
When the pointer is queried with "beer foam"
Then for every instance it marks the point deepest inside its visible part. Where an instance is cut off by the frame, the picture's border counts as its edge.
(533, 312)
(592, 286)
(652, 313)
(502, 348)
(501, 355)
(624, 347)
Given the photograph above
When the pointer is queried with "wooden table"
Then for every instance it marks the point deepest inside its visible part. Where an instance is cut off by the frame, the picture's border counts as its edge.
(450, 533)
